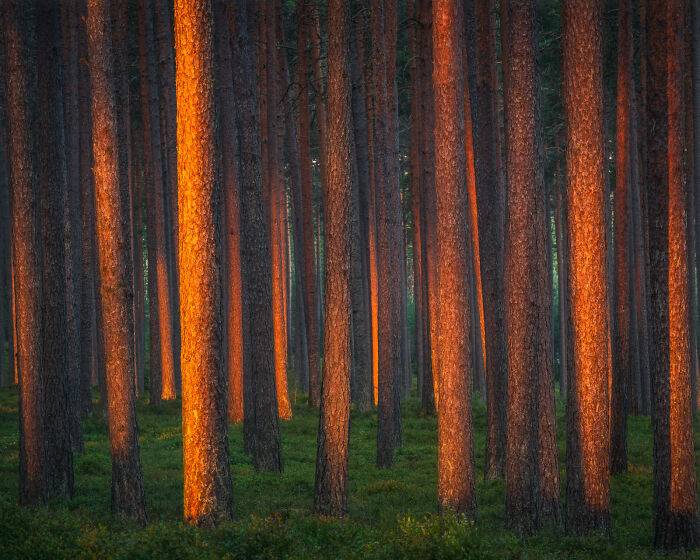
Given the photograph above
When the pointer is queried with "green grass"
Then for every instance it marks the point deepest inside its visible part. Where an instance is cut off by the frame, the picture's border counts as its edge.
(392, 512)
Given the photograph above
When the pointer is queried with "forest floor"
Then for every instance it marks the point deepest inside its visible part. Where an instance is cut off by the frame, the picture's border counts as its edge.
(392, 512)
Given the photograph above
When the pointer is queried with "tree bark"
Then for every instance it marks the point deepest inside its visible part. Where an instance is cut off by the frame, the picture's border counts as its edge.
(532, 473)
(455, 446)
(332, 451)
(588, 454)
(204, 424)
(675, 501)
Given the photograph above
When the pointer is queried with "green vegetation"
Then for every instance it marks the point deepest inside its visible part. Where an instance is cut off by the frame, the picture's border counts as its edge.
(392, 512)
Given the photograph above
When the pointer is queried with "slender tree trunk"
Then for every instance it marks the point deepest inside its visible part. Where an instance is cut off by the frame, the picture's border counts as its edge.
(332, 451)
(26, 255)
(115, 276)
(455, 446)
(675, 500)
(622, 293)
(490, 203)
(230, 177)
(563, 283)
(204, 423)
(51, 166)
(163, 320)
(588, 454)
(532, 473)
(261, 423)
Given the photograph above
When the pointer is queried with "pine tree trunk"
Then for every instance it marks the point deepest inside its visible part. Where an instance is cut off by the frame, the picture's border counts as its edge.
(26, 255)
(675, 501)
(204, 424)
(490, 203)
(455, 442)
(332, 450)
(261, 423)
(588, 454)
(532, 474)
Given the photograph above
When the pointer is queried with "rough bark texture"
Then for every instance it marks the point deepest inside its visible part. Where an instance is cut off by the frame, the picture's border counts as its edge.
(490, 202)
(27, 259)
(233, 294)
(621, 323)
(332, 451)
(51, 167)
(309, 270)
(455, 447)
(588, 449)
(115, 275)
(532, 474)
(675, 500)
(204, 424)
(261, 423)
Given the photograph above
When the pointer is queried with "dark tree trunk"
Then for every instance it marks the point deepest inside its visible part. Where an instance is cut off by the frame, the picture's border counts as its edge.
(261, 426)
(207, 478)
(332, 452)
(115, 274)
(26, 255)
(490, 203)
(675, 500)
(51, 166)
(532, 473)
(588, 451)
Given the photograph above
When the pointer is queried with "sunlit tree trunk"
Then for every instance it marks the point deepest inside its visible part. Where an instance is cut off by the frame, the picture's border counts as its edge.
(115, 278)
(261, 423)
(588, 453)
(455, 445)
(532, 473)
(230, 177)
(490, 202)
(675, 500)
(207, 477)
(26, 254)
(5, 237)
(161, 306)
(51, 167)
(621, 314)
(332, 451)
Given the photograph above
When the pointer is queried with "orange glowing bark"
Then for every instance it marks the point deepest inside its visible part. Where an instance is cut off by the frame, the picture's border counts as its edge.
(588, 487)
(455, 460)
(207, 479)
(675, 499)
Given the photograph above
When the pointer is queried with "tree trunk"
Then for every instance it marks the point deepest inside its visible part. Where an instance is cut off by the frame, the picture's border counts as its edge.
(490, 203)
(455, 446)
(588, 454)
(115, 275)
(51, 166)
(675, 502)
(261, 423)
(204, 424)
(532, 473)
(26, 255)
(332, 452)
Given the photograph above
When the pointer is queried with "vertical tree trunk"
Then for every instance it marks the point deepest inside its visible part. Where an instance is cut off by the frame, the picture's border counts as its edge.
(51, 166)
(532, 474)
(261, 423)
(115, 276)
(204, 424)
(588, 455)
(455, 445)
(332, 451)
(162, 307)
(490, 203)
(26, 255)
(622, 316)
(675, 500)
